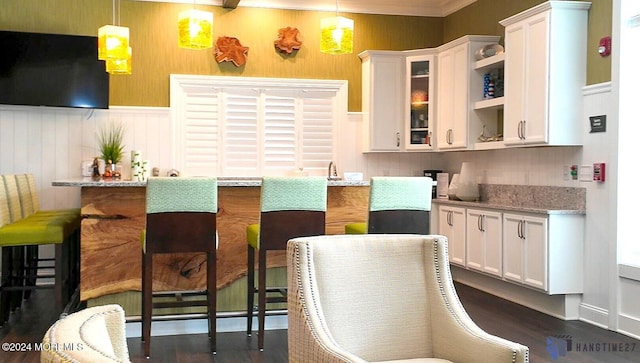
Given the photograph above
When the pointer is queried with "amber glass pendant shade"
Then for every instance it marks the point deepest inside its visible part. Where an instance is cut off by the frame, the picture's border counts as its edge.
(119, 66)
(336, 35)
(195, 29)
(113, 42)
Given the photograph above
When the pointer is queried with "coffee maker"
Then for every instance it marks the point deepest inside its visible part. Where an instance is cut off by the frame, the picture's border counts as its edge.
(433, 174)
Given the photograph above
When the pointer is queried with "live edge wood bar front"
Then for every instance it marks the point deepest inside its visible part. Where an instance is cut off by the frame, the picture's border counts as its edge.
(114, 216)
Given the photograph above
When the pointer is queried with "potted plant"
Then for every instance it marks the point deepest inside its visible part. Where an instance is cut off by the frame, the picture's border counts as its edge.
(110, 138)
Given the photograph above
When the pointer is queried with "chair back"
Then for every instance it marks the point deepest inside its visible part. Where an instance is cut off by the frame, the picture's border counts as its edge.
(13, 197)
(181, 214)
(28, 194)
(291, 207)
(399, 205)
(371, 292)
(5, 216)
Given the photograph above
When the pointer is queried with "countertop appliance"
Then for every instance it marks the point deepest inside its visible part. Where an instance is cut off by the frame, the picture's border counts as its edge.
(433, 174)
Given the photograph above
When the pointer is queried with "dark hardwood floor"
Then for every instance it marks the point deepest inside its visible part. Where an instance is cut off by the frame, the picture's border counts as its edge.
(497, 316)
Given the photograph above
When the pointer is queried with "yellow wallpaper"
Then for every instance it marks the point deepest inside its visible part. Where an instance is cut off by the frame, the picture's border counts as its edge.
(153, 28)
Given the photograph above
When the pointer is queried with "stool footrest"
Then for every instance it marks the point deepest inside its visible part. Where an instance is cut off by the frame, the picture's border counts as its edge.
(179, 304)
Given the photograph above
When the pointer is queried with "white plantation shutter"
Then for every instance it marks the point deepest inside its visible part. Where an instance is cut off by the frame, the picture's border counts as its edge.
(242, 126)
(279, 132)
(200, 132)
(241, 144)
(318, 117)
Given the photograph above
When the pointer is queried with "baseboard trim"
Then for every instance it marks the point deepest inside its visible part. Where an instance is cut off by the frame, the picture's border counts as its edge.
(629, 325)
(200, 326)
(594, 315)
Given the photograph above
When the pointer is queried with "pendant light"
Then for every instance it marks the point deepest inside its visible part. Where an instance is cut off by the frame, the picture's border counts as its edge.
(119, 65)
(336, 34)
(195, 29)
(113, 45)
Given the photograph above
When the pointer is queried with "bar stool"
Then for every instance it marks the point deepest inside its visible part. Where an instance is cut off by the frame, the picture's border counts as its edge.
(289, 207)
(181, 218)
(30, 204)
(24, 229)
(397, 205)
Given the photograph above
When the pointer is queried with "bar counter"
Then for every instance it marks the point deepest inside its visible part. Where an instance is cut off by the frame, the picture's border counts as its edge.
(114, 214)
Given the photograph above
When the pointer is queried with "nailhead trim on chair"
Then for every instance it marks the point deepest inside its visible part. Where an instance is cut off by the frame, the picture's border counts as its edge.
(63, 354)
(313, 298)
(444, 296)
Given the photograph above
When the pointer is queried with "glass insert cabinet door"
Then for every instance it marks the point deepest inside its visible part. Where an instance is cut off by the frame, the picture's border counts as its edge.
(420, 95)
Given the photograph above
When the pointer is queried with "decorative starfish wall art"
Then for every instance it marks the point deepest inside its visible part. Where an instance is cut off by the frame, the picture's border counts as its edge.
(287, 40)
(229, 49)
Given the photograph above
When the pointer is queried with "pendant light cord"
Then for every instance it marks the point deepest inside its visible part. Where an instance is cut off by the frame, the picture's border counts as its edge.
(113, 13)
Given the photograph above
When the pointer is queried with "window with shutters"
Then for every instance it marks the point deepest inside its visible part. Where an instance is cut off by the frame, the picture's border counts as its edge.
(242, 126)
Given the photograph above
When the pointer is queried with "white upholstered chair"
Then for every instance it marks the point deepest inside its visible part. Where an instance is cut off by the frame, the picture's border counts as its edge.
(382, 298)
(92, 335)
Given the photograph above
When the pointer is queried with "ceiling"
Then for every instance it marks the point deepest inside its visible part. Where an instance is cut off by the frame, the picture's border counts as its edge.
(436, 8)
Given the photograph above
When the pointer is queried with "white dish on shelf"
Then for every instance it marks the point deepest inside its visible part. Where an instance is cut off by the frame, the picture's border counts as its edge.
(489, 51)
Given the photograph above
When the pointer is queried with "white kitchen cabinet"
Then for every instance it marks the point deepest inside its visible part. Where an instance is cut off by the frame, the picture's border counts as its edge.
(484, 241)
(419, 100)
(525, 250)
(452, 224)
(544, 252)
(454, 82)
(545, 70)
(383, 100)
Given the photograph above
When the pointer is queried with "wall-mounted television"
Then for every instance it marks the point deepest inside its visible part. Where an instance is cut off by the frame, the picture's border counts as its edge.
(52, 70)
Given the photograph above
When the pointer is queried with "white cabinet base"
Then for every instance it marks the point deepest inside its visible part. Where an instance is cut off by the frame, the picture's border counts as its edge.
(565, 307)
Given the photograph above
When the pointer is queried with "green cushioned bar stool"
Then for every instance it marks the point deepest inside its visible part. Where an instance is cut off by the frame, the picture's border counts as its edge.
(20, 229)
(397, 205)
(180, 218)
(71, 219)
(289, 207)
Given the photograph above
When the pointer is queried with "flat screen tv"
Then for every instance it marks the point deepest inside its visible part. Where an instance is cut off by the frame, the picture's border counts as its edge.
(52, 70)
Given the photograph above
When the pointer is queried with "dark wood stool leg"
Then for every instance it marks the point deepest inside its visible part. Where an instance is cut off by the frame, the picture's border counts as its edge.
(16, 276)
(147, 302)
(262, 295)
(212, 298)
(60, 290)
(5, 296)
(251, 288)
(31, 269)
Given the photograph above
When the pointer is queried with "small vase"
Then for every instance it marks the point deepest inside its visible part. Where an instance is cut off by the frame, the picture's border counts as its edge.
(468, 191)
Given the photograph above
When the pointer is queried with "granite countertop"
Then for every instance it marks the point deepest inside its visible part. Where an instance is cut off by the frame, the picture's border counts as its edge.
(526, 198)
(222, 182)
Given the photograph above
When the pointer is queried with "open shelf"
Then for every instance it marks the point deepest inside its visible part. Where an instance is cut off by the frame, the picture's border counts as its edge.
(491, 103)
(496, 61)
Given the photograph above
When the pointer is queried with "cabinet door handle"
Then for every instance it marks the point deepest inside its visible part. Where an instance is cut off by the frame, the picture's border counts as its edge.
(450, 136)
(520, 129)
(521, 229)
(397, 139)
(481, 223)
(450, 218)
(524, 124)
